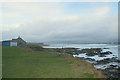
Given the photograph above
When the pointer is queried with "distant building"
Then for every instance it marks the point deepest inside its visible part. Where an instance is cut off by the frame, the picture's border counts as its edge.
(9, 43)
(20, 41)
(14, 42)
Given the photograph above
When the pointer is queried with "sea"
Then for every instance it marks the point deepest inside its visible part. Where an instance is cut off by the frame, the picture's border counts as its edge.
(114, 48)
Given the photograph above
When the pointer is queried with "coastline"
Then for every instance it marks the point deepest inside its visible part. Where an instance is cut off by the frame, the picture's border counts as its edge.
(111, 72)
(101, 58)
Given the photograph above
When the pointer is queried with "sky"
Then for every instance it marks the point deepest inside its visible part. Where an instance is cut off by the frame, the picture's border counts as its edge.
(59, 0)
(76, 22)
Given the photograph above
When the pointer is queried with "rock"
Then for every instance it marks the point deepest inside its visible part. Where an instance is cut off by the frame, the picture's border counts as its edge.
(89, 59)
(91, 51)
(111, 72)
(107, 60)
(113, 65)
(104, 66)
(91, 54)
(105, 48)
(118, 61)
(103, 54)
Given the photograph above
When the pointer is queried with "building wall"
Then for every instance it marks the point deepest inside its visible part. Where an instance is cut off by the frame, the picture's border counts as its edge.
(5, 43)
(8, 43)
(20, 42)
(13, 43)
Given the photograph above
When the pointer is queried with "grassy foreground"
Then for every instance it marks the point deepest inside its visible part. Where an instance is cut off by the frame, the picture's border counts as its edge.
(22, 63)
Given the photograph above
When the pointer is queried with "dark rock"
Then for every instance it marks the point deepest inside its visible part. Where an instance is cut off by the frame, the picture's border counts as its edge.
(105, 61)
(111, 72)
(91, 54)
(118, 61)
(104, 66)
(103, 54)
(91, 51)
(105, 48)
(89, 59)
(113, 65)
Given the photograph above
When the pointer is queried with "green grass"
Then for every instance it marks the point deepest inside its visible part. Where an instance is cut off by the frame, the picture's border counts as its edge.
(0, 61)
(22, 63)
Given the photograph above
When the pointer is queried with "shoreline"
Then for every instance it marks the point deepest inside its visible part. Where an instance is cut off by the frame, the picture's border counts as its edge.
(111, 71)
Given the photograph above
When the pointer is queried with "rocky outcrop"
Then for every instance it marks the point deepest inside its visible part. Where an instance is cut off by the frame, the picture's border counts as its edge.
(107, 60)
(91, 52)
(103, 54)
(111, 71)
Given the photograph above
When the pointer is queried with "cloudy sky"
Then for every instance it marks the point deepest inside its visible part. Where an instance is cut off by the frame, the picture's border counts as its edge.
(81, 22)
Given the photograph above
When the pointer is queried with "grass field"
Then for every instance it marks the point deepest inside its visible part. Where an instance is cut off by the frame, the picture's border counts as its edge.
(22, 63)
(0, 61)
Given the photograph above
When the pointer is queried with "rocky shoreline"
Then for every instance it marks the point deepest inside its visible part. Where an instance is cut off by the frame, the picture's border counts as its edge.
(109, 66)
(106, 65)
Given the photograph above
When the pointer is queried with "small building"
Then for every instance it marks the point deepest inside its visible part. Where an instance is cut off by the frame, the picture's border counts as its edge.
(20, 41)
(14, 42)
(9, 43)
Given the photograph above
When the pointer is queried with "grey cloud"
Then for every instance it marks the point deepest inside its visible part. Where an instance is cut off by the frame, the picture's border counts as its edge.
(71, 31)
